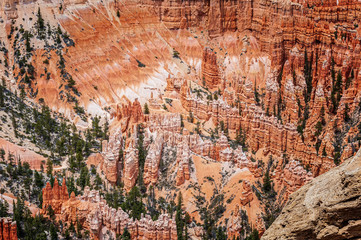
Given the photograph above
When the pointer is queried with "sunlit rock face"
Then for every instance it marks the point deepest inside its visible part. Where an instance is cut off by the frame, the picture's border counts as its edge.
(94, 214)
(8, 229)
(239, 64)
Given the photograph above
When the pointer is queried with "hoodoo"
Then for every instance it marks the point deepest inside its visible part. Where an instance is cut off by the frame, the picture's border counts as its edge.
(194, 119)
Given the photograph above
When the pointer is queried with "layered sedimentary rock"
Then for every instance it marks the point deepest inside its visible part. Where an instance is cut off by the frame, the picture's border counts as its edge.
(54, 196)
(9, 8)
(25, 155)
(151, 165)
(110, 158)
(169, 122)
(326, 208)
(129, 113)
(293, 176)
(215, 16)
(293, 27)
(94, 214)
(8, 229)
(234, 225)
(131, 167)
(183, 156)
(204, 109)
(210, 72)
(247, 194)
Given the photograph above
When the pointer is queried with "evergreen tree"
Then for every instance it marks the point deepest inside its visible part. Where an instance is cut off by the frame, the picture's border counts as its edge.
(146, 108)
(53, 233)
(318, 128)
(267, 182)
(126, 235)
(4, 208)
(179, 218)
(2, 97)
(134, 203)
(49, 167)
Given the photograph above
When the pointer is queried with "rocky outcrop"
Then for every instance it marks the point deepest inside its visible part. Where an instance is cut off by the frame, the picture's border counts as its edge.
(25, 155)
(94, 214)
(183, 156)
(247, 194)
(9, 7)
(293, 176)
(129, 113)
(151, 165)
(234, 225)
(210, 72)
(326, 208)
(8, 229)
(110, 159)
(217, 16)
(131, 167)
(54, 196)
(169, 122)
(204, 109)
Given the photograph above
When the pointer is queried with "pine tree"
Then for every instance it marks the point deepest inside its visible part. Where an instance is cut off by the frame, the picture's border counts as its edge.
(49, 167)
(4, 208)
(126, 235)
(146, 109)
(179, 217)
(267, 182)
(2, 97)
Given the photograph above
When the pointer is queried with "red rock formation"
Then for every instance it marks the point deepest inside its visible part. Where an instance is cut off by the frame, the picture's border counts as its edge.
(247, 194)
(151, 165)
(174, 84)
(234, 225)
(94, 214)
(25, 155)
(260, 226)
(169, 122)
(110, 157)
(183, 156)
(131, 168)
(8, 229)
(54, 197)
(210, 72)
(203, 109)
(292, 177)
(9, 8)
(129, 113)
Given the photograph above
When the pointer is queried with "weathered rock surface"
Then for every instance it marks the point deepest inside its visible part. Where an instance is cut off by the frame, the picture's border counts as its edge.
(151, 165)
(247, 194)
(25, 155)
(94, 214)
(8, 229)
(131, 168)
(110, 158)
(326, 208)
(129, 113)
(210, 72)
(54, 197)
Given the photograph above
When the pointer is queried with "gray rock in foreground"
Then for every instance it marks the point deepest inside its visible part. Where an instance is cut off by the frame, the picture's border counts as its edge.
(329, 207)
